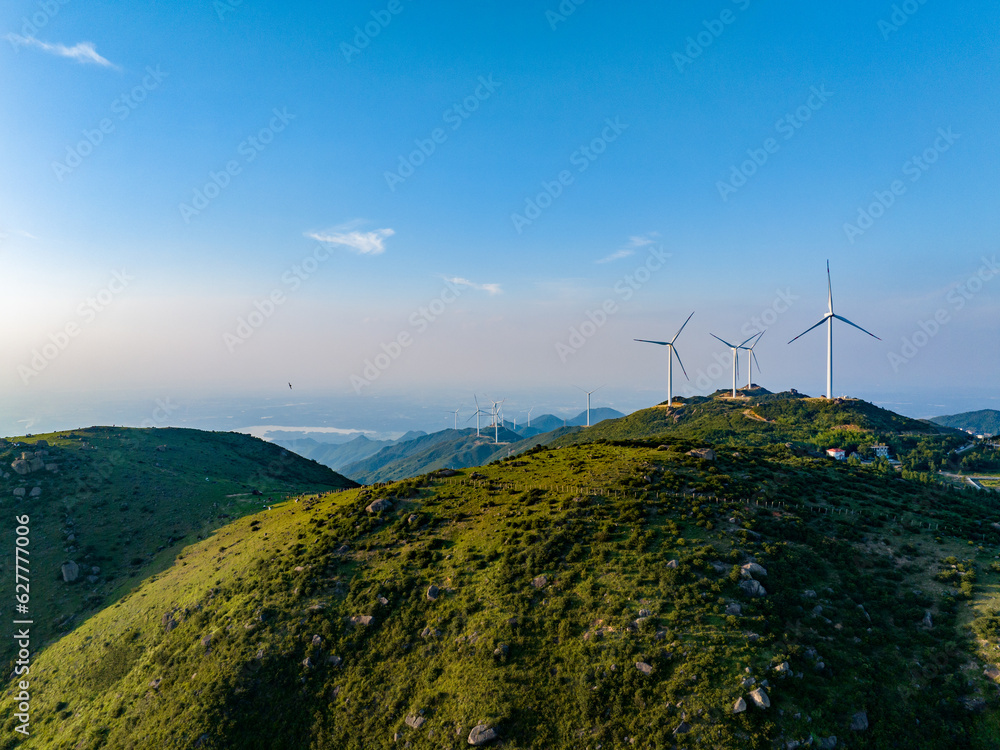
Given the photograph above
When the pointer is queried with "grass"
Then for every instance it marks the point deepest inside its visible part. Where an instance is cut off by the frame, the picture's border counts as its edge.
(249, 639)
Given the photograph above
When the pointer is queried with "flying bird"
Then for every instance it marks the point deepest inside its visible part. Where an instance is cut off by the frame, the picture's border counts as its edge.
(289, 386)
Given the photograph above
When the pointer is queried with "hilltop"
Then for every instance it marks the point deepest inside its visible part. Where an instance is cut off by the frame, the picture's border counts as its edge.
(613, 593)
(110, 506)
(982, 422)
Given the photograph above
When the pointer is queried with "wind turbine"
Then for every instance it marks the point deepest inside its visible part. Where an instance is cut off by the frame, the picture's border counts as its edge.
(671, 353)
(455, 412)
(736, 362)
(529, 416)
(751, 359)
(588, 400)
(828, 319)
(479, 412)
(497, 415)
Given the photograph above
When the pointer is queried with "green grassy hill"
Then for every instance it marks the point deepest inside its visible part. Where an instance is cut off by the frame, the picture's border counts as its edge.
(120, 503)
(594, 595)
(982, 422)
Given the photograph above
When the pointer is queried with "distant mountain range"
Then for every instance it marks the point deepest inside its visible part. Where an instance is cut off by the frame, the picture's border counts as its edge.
(369, 461)
(982, 422)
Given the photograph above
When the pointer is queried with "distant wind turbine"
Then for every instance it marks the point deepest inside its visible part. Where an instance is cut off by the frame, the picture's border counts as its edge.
(588, 400)
(751, 360)
(736, 362)
(828, 319)
(671, 353)
(529, 415)
(455, 412)
(478, 413)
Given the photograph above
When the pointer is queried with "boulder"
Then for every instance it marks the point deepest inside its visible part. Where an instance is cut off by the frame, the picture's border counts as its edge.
(859, 722)
(414, 721)
(481, 734)
(827, 743)
(20, 492)
(740, 706)
(333, 661)
(35, 492)
(672, 564)
(644, 667)
(682, 728)
(433, 592)
(928, 621)
(539, 582)
(992, 672)
(706, 453)
(70, 571)
(760, 698)
(753, 570)
(377, 506)
(446, 472)
(734, 609)
(783, 669)
(21, 466)
(362, 620)
(753, 589)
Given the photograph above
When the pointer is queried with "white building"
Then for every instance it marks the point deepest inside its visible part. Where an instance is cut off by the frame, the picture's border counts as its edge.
(836, 453)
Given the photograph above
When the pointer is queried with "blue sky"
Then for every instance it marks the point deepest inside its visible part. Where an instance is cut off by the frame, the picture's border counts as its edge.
(363, 178)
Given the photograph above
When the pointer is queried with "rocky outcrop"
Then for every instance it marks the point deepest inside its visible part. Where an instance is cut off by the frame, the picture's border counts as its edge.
(740, 706)
(377, 506)
(482, 734)
(859, 722)
(706, 453)
(753, 589)
(70, 571)
(760, 698)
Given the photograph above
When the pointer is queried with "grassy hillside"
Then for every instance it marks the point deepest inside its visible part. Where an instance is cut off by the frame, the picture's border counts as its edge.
(120, 503)
(583, 597)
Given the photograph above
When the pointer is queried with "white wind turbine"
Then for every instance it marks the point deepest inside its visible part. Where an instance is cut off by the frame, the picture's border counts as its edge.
(828, 319)
(479, 412)
(751, 360)
(497, 416)
(455, 412)
(736, 362)
(529, 415)
(671, 353)
(588, 400)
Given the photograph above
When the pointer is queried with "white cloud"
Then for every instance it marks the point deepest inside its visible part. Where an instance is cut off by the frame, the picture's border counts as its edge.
(634, 242)
(82, 52)
(617, 255)
(363, 243)
(488, 288)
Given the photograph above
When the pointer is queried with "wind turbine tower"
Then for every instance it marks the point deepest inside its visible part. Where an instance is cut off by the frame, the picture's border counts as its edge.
(588, 401)
(828, 319)
(671, 353)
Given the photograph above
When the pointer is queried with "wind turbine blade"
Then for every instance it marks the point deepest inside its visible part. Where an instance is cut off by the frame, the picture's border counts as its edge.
(838, 317)
(736, 359)
(681, 328)
(754, 357)
(829, 287)
(748, 340)
(673, 351)
(809, 329)
(647, 341)
(722, 340)
(759, 337)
